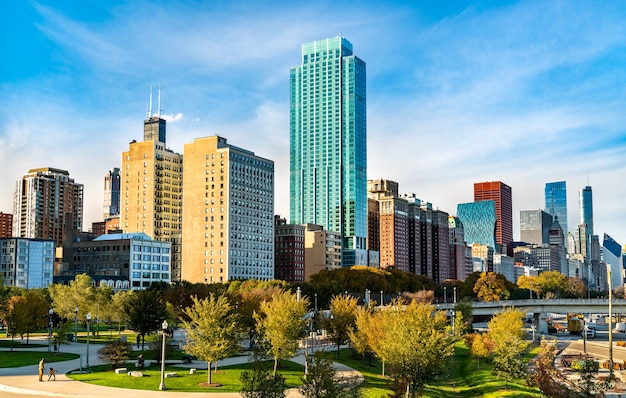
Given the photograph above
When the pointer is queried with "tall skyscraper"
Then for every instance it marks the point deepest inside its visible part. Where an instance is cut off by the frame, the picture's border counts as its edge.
(111, 193)
(585, 201)
(47, 204)
(534, 226)
(502, 195)
(328, 154)
(228, 213)
(556, 202)
(612, 256)
(151, 188)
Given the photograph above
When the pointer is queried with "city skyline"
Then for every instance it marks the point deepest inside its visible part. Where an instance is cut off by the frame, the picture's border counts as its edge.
(520, 92)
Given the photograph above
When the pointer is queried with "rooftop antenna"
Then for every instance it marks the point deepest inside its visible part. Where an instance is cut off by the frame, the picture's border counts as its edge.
(150, 107)
(159, 104)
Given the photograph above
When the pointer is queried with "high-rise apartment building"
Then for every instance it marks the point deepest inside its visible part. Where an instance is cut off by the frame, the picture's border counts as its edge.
(47, 204)
(151, 182)
(556, 202)
(6, 225)
(534, 226)
(228, 213)
(111, 193)
(328, 156)
(612, 256)
(460, 261)
(502, 195)
(289, 251)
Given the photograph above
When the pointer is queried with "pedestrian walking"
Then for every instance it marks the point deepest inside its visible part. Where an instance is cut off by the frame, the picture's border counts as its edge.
(42, 368)
(140, 362)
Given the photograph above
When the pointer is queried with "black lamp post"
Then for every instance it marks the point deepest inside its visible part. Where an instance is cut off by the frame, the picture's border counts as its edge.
(75, 323)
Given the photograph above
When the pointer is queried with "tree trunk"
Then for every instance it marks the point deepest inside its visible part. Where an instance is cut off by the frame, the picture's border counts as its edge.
(209, 372)
(275, 365)
(383, 368)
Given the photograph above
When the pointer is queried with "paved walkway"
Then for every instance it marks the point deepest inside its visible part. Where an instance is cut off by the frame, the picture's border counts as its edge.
(23, 380)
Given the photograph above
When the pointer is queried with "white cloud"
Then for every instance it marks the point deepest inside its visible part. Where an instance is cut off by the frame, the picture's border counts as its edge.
(173, 118)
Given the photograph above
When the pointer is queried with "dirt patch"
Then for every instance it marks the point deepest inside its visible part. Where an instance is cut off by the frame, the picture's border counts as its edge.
(209, 385)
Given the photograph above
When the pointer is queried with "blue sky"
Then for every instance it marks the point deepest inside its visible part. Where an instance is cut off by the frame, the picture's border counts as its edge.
(458, 92)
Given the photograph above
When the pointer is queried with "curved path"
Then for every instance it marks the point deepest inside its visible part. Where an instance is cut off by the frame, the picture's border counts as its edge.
(24, 380)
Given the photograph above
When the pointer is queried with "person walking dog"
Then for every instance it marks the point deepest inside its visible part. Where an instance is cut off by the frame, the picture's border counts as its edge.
(42, 368)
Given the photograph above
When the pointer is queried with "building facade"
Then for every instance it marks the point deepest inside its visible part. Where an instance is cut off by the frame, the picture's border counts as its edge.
(47, 204)
(556, 202)
(111, 193)
(328, 151)
(460, 261)
(228, 213)
(116, 258)
(26, 263)
(6, 225)
(288, 251)
(502, 195)
(151, 191)
(479, 222)
(534, 226)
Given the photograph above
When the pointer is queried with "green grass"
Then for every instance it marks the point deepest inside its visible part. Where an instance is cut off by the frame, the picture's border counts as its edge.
(227, 376)
(15, 359)
(464, 379)
(18, 344)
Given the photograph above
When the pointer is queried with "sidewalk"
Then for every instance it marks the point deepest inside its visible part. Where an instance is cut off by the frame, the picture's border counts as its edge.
(23, 380)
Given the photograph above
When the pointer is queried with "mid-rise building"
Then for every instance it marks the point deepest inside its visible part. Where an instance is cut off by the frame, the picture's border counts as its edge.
(110, 225)
(328, 151)
(151, 182)
(556, 202)
(482, 257)
(121, 261)
(111, 193)
(534, 226)
(6, 225)
(460, 261)
(393, 224)
(26, 263)
(228, 213)
(47, 204)
(501, 194)
(289, 251)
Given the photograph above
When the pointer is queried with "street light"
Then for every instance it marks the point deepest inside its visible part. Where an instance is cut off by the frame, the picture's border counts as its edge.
(455, 295)
(50, 312)
(76, 324)
(610, 282)
(88, 318)
(445, 295)
(367, 298)
(381, 298)
(162, 385)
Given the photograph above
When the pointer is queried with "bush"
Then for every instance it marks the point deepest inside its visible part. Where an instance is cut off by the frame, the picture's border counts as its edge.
(115, 353)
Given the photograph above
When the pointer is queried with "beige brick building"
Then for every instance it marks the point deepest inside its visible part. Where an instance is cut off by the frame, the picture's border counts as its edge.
(228, 206)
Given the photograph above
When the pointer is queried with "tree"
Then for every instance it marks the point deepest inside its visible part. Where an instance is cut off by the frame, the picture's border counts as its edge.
(115, 353)
(416, 343)
(529, 282)
(491, 287)
(27, 313)
(357, 333)
(321, 381)
(463, 316)
(506, 331)
(544, 375)
(576, 288)
(281, 324)
(481, 347)
(552, 282)
(258, 382)
(59, 334)
(213, 330)
(587, 369)
(145, 310)
(79, 293)
(342, 318)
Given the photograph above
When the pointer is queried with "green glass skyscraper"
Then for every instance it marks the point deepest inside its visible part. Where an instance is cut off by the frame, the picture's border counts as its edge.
(328, 179)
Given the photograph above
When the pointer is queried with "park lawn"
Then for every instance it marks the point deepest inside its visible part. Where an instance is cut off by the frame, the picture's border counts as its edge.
(463, 380)
(16, 359)
(227, 376)
(18, 344)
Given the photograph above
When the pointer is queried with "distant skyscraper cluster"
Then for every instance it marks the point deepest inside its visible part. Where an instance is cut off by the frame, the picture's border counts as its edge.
(207, 215)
